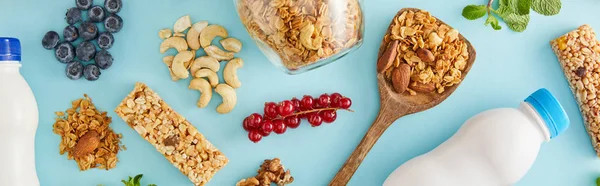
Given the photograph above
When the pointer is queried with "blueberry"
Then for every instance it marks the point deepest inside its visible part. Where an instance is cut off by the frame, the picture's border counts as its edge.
(105, 40)
(70, 33)
(86, 51)
(113, 23)
(104, 59)
(73, 16)
(88, 31)
(74, 70)
(91, 72)
(84, 4)
(65, 52)
(113, 6)
(96, 14)
(50, 40)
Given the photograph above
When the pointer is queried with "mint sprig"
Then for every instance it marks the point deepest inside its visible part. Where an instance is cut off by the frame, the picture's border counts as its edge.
(135, 181)
(515, 13)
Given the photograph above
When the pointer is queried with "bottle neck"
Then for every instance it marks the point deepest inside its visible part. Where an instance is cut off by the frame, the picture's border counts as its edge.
(10, 67)
(537, 120)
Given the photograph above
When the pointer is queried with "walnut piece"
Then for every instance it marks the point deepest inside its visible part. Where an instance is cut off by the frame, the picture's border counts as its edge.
(271, 171)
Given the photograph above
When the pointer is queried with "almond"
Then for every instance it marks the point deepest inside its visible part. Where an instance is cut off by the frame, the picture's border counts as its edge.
(425, 55)
(387, 58)
(423, 88)
(86, 144)
(401, 78)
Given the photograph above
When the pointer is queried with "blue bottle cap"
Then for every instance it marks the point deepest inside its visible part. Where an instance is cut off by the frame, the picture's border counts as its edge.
(550, 110)
(10, 49)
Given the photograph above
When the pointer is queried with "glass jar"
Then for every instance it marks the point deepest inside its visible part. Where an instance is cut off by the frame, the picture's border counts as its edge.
(301, 35)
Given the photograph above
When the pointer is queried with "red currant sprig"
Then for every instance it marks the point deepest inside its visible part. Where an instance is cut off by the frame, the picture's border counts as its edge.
(289, 114)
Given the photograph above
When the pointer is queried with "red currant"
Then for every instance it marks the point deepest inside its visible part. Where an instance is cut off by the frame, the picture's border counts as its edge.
(328, 116)
(335, 100)
(285, 108)
(296, 103)
(279, 126)
(254, 136)
(270, 110)
(266, 128)
(246, 125)
(345, 103)
(306, 102)
(315, 119)
(316, 104)
(292, 121)
(254, 121)
(324, 100)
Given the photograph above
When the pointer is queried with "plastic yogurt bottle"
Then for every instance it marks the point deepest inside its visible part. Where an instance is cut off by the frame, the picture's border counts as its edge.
(494, 148)
(18, 119)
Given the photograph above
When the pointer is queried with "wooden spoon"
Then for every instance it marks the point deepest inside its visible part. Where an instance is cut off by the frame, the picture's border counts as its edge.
(394, 106)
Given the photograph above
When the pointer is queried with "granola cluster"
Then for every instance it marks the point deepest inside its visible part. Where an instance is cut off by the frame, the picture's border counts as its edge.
(302, 32)
(434, 51)
(271, 171)
(83, 119)
(171, 134)
(578, 53)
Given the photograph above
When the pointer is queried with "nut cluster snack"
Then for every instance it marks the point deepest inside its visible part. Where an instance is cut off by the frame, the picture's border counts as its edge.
(86, 136)
(578, 53)
(271, 171)
(171, 134)
(203, 69)
(305, 31)
(423, 54)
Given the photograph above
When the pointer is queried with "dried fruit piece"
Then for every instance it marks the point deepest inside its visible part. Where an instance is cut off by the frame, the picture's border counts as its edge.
(173, 42)
(231, 44)
(307, 40)
(209, 33)
(217, 53)
(86, 144)
(387, 58)
(401, 78)
(182, 24)
(193, 35)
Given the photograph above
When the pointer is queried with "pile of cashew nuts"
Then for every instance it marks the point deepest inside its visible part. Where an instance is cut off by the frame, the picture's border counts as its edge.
(203, 69)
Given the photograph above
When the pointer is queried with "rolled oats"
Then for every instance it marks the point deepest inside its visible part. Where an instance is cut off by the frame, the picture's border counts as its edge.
(578, 53)
(73, 124)
(302, 32)
(171, 134)
(433, 50)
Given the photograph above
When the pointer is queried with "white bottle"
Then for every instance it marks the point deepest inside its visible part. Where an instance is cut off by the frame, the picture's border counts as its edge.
(18, 120)
(494, 148)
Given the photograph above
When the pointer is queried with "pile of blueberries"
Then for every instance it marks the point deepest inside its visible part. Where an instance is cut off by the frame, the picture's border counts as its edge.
(86, 50)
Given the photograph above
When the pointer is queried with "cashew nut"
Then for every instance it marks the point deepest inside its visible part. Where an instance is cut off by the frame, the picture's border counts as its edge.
(189, 63)
(178, 34)
(165, 33)
(182, 23)
(179, 68)
(229, 98)
(168, 60)
(173, 42)
(306, 38)
(205, 62)
(217, 53)
(231, 44)
(205, 91)
(230, 74)
(212, 76)
(209, 33)
(193, 34)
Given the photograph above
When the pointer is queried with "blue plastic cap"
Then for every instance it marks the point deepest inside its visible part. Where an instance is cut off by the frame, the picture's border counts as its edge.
(10, 49)
(550, 110)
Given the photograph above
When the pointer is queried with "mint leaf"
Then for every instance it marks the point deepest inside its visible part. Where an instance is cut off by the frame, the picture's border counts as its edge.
(598, 181)
(491, 20)
(516, 22)
(152, 185)
(546, 7)
(473, 12)
(523, 7)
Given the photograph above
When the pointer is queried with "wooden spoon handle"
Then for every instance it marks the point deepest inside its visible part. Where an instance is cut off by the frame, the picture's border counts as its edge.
(383, 121)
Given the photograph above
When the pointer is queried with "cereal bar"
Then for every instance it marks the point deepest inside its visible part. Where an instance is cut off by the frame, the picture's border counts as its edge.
(172, 135)
(579, 55)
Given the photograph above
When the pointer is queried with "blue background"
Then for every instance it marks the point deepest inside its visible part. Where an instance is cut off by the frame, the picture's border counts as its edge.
(509, 67)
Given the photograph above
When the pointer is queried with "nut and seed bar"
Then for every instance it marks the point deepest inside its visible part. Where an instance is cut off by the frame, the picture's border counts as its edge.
(579, 55)
(172, 135)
